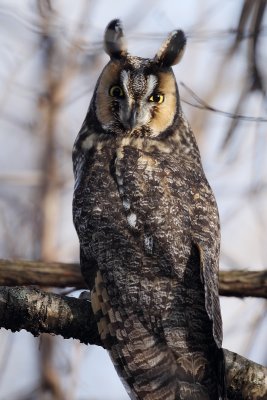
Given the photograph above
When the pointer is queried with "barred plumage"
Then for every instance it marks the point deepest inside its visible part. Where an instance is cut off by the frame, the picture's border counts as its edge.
(148, 227)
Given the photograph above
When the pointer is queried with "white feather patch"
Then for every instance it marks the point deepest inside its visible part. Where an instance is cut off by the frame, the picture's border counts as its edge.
(125, 80)
(152, 81)
(89, 142)
(132, 219)
(126, 204)
(148, 242)
(119, 179)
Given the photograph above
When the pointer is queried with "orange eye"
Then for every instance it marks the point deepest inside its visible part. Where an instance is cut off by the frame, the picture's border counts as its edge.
(156, 98)
(116, 91)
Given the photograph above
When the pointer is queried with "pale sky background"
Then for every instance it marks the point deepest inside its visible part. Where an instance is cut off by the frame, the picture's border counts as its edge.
(87, 370)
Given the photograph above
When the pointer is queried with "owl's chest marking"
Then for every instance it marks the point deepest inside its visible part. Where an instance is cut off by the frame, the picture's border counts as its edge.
(141, 174)
(131, 216)
(148, 243)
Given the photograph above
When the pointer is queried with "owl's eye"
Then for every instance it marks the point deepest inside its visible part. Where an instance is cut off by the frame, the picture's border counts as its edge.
(116, 91)
(156, 98)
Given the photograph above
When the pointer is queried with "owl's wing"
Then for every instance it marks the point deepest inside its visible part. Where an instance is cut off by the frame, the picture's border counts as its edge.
(210, 281)
(182, 210)
(89, 267)
(206, 236)
(205, 232)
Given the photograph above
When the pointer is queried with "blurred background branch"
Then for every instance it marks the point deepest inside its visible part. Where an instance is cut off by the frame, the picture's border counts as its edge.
(237, 283)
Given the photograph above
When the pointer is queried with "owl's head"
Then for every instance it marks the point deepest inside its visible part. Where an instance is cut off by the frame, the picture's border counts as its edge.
(137, 95)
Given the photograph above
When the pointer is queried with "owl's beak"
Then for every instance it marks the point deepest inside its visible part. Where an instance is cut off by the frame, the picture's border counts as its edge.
(132, 120)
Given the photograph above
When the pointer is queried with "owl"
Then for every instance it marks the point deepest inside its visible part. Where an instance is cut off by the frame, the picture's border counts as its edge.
(148, 227)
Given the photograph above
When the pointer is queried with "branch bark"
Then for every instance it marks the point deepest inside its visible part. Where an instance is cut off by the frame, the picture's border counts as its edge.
(38, 312)
(245, 379)
(27, 273)
(243, 283)
(52, 274)
(42, 312)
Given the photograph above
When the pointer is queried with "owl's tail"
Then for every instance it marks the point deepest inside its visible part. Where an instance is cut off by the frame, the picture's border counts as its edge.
(149, 365)
(143, 360)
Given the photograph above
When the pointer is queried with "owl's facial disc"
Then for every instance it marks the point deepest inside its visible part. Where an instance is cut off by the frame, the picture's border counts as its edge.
(131, 99)
(136, 98)
(136, 106)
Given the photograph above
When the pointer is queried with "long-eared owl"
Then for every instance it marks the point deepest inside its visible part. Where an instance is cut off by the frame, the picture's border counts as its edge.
(148, 227)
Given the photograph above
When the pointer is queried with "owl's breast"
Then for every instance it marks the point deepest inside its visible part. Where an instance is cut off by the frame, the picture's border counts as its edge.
(96, 201)
(152, 187)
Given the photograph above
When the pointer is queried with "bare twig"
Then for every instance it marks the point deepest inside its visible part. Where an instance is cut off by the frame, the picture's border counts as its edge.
(200, 103)
(251, 19)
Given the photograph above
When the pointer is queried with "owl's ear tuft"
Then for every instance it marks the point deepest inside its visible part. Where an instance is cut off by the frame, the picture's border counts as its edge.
(172, 49)
(114, 42)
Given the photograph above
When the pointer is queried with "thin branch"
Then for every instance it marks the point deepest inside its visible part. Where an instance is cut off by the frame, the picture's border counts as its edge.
(243, 283)
(257, 81)
(244, 17)
(251, 19)
(38, 273)
(28, 273)
(201, 104)
(37, 311)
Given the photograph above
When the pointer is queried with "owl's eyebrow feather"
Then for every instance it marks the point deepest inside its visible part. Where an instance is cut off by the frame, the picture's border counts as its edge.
(125, 80)
(152, 81)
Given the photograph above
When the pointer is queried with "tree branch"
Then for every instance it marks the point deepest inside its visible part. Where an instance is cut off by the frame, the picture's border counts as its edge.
(42, 312)
(27, 273)
(246, 380)
(243, 283)
(38, 312)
